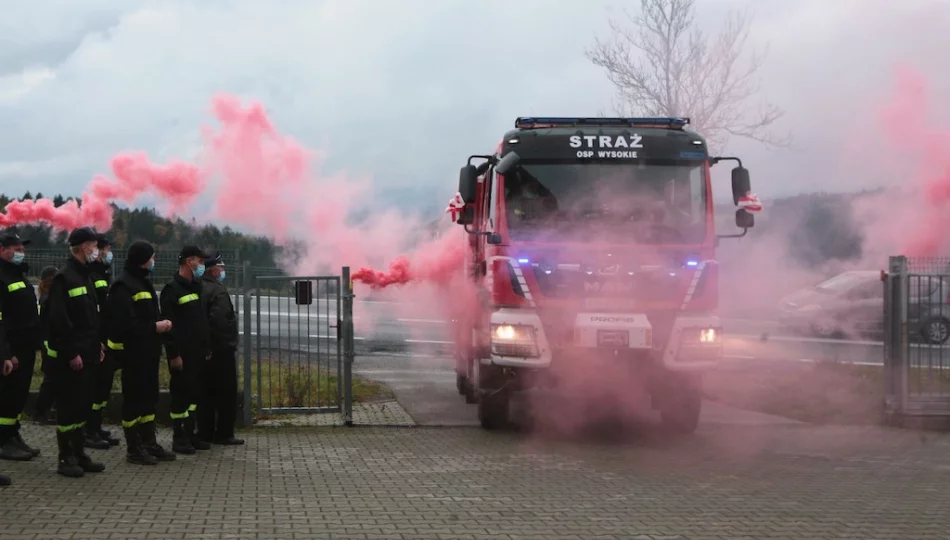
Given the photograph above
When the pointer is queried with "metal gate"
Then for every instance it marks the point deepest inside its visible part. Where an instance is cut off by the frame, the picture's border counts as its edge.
(916, 332)
(298, 346)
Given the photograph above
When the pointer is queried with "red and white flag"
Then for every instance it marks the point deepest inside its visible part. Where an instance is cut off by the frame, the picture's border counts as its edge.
(456, 204)
(750, 202)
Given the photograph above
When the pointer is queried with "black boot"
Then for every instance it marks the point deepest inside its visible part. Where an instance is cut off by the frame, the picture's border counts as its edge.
(147, 432)
(68, 461)
(19, 440)
(85, 462)
(93, 438)
(5, 480)
(135, 451)
(10, 449)
(181, 443)
(229, 441)
(192, 437)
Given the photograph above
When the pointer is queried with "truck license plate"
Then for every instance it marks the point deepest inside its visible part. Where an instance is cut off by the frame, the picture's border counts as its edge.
(613, 338)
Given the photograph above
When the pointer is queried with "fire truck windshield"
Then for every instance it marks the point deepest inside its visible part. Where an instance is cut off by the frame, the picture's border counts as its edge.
(655, 202)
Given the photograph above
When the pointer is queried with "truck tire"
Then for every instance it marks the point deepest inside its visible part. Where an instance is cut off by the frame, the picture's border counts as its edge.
(491, 396)
(470, 393)
(682, 404)
(493, 410)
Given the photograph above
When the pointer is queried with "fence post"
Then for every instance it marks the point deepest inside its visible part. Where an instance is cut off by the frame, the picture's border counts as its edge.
(900, 343)
(246, 300)
(348, 352)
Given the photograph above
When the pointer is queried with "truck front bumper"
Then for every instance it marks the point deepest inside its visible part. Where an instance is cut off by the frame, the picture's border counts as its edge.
(694, 343)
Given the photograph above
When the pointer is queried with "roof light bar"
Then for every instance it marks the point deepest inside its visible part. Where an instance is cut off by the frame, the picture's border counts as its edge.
(530, 122)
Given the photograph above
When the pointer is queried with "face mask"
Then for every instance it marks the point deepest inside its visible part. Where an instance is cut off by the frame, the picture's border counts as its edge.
(93, 256)
(221, 276)
(200, 271)
(151, 265)
(18, 257)
(108, 258)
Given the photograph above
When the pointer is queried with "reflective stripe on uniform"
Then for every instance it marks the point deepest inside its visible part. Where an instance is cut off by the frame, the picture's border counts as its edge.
(140, 420)
(78, 291)
(16, 286)
(144, 295)
(178, 416)
(188, 298)
(115, 346)
(7, 421)
(99, 406)
(192, 408)
(50, 352)
(101, 283)
(70, 427)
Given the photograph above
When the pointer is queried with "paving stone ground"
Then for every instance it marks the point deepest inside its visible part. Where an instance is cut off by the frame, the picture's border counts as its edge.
(740, 481)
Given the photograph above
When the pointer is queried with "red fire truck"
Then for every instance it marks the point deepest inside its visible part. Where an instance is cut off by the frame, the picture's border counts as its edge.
(592, 240)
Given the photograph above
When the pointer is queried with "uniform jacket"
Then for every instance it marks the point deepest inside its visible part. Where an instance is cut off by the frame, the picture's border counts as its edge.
(71, 313)
(181, 304)
(133, 306)
(101, 278)
(222, 321)
(19, 315)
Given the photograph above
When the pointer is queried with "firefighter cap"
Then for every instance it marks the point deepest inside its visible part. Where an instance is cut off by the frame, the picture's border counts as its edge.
(214, 259)
(81, 236)
(13, 239)
(190, 251)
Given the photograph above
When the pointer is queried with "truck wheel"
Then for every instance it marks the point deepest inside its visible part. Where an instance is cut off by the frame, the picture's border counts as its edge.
(493, 410)
(491, 396)
(464, 381)
(682, 405)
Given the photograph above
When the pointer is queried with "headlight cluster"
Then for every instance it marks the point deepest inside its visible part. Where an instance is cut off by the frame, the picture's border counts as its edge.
(514, 340)
(701, 337)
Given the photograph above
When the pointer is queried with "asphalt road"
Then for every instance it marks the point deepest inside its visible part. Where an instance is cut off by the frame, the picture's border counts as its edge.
(386, 326)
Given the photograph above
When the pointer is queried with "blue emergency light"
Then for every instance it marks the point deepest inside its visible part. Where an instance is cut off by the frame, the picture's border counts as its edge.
(527, 122)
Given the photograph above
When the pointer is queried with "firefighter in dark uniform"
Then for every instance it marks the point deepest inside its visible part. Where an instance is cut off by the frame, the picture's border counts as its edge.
(135, 343)
(71, 320)
(20, 324)
(44, 398)
(187, 347)
(100, 271)
(6, 369)
(217, 408)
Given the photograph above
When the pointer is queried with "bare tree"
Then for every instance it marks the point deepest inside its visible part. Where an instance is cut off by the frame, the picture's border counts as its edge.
(663, 65)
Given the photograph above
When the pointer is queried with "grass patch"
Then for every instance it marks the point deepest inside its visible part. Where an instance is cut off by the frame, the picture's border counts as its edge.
(285, 382)
(822, 392)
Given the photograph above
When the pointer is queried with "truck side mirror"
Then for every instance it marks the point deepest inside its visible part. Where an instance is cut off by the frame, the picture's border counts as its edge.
(507, 164)
(744, 219)
(468, 182)
(466, 216)
(741, 184)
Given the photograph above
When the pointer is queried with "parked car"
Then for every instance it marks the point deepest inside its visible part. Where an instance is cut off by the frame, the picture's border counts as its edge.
(851, 304)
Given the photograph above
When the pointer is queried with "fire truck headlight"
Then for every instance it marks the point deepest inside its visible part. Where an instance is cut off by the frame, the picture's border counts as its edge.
(513, 340)
(701, 337)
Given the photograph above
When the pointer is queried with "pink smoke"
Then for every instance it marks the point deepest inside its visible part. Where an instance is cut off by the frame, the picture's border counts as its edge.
(909, 121)
(437, 262)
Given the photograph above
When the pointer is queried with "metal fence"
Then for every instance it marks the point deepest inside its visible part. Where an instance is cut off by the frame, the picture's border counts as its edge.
(166, 263)
(916, 334)
(297, 345)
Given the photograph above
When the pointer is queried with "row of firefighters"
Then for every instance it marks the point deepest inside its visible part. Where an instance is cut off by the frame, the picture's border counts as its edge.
(87, 327)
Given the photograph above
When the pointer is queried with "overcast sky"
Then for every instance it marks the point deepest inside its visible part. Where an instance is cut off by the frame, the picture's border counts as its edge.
(406, 90)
